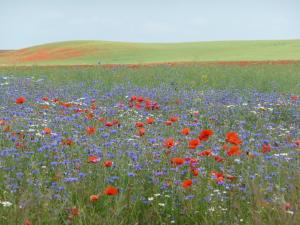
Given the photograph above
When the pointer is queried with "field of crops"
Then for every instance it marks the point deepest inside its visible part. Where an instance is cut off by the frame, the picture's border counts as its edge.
(162, 144)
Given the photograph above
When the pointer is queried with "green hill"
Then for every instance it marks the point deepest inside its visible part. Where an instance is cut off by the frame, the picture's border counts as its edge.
(93, 52)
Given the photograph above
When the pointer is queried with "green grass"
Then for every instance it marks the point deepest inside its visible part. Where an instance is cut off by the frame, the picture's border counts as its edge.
(266, 78)
(132, 53)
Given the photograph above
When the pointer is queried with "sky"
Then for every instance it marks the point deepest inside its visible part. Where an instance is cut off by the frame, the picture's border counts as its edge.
(25, 23)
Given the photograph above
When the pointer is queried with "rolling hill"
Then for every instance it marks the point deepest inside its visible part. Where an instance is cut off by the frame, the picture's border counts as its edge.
(104, 52)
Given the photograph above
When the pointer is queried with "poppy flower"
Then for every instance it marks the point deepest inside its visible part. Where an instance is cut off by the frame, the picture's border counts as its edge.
(230, 177)
(287, 206)
(266, 148)
(47, 130)
(218, 176)
(185, 131)
(67, 141)
(150, 120)
(2, 122)
(140, 99)
(101, 119)
(195, 172)
(168, 123)
(75, 211)
(234, 150)
(187, 183)
(219, 158)
(141, 131)
(139, 124)
(297, 142)
(294, 98)
(94, 198)
(225, 147)
(174, 119)
(90, 116)
(108, 124)
(111, 191)
(27, 222)
(90, 130)
(177, 161)
(138, 106)
(108, 163)
(133, 98)
(233, 138)
(20, 100)
(194, 143)
(45, 98)
(205, 134)
(93, 159)
(169, 143)
(207, 152)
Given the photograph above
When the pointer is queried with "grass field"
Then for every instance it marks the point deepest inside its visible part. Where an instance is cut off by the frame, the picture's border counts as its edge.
(222, 145)
(93, 52)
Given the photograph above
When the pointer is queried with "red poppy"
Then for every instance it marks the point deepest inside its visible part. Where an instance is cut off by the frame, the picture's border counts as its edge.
(225, 147)
(138, 106)
(141, 131)
(195, 172)
(297, 142)
(139, 124)
(93, 106)
(47, 130)
(94, 198)
(45, 98)
(194, 143)
(174, 119)
(219, 177)
(233, 138)
(140, 99)
(116, 122)
(75, 211)
(90, 130)
(90, 116)
(150, 120)
(177, 161)
(93, 159)
(287, 206)
(205, 134)
(2, 122)
(27, 222)
(230, 177)
(187, 183)
(219, 158)
(133, 98)
(111, 191)
(234, 150)
(108, 124)
(266, 148)
(67, 141)
(20, 100)
(185, 131)
(101, 119)
(168, 123)
(108, 163)
(169, 143)
(207, 152)
(294, 98)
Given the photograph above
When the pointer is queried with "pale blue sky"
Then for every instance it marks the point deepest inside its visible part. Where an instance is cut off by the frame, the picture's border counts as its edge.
(25, 23)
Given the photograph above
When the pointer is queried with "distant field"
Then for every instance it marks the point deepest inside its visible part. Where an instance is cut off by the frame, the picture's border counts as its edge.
(94, 52)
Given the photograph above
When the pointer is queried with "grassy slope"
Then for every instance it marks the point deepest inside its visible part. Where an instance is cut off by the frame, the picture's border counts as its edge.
(119, 52)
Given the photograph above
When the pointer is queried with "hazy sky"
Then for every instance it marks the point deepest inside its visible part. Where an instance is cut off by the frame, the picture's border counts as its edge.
(25, 23)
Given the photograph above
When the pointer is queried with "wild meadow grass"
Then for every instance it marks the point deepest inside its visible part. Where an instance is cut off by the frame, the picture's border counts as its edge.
(158, 145)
